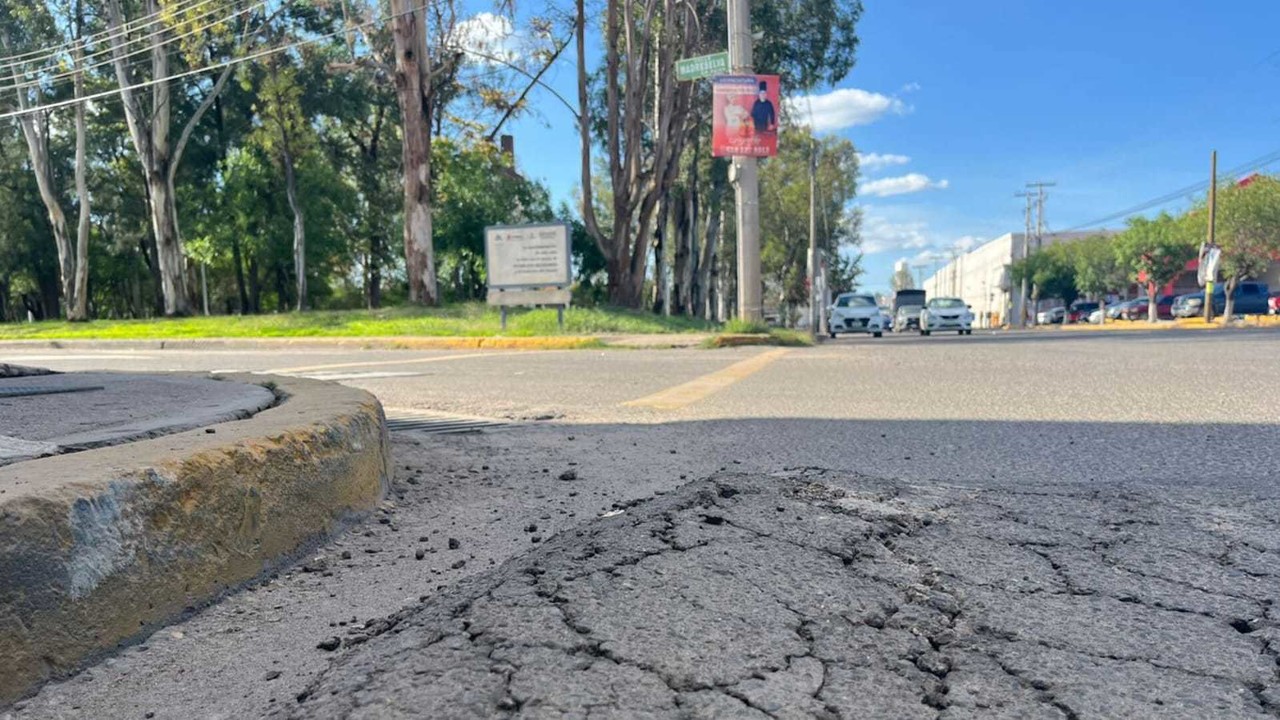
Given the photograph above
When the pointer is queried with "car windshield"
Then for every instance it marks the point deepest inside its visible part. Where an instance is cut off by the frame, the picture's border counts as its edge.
(946, 304)
(855, 301)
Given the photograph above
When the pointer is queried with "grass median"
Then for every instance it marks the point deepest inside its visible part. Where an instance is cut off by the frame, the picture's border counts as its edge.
(463, 320)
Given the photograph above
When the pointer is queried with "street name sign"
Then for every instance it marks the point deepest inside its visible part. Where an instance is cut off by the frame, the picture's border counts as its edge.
(702, 66)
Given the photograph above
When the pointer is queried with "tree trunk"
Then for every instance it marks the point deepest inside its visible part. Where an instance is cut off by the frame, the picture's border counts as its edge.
(238, 262)
(661, 289)
(78, 301)
(413, 87)
(1153, 308)
(373, 287)
(1230, 302)
(299, 226)
(684, 290)
(255, 286)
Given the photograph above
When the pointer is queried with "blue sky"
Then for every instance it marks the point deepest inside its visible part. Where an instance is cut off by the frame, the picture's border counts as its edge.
(957, 105)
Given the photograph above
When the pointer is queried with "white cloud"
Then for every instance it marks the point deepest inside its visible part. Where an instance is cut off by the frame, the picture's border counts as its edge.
(488, 34)
(871, 162)
(909, 88)
(881, 234)
(902, 185)
(967, 243)
(845, 107)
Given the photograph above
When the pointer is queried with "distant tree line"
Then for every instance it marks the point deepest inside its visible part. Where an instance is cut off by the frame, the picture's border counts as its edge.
(163, 156)
(1152, 252)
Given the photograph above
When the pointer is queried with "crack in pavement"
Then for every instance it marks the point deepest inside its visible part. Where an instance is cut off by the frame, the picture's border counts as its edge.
(810, 593)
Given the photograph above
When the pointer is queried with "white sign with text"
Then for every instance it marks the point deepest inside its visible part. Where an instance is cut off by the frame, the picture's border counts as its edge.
(528, 256)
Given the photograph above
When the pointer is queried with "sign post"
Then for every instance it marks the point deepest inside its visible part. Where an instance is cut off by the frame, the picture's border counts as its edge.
(528, 265)
(702, 66)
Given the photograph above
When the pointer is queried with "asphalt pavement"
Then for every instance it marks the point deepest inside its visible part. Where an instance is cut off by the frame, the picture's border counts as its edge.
(1002, 525)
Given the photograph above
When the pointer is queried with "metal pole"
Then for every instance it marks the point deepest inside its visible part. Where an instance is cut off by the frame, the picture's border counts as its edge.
(746, 184)
(813, 239)
(1213, 216)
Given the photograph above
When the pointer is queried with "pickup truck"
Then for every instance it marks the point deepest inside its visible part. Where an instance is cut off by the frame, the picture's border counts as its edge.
(1249, 298)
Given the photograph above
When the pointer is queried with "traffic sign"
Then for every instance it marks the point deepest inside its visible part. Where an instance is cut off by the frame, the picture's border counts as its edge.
(702, 66)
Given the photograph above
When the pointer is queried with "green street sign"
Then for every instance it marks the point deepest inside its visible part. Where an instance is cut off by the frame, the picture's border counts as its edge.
(702, 66)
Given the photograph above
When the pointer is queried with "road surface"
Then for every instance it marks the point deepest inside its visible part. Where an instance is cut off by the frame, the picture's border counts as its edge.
(1003, 525)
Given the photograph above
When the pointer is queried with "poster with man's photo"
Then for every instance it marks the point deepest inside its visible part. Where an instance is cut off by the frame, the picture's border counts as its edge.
(746, 115)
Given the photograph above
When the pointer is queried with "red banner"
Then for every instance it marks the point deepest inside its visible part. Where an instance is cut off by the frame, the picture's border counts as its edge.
(745, 119)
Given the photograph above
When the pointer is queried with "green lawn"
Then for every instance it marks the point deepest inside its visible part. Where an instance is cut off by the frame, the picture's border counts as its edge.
(469, 320)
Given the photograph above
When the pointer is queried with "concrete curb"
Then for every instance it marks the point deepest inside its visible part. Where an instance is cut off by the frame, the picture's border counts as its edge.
(1251, 321)
(100, 547)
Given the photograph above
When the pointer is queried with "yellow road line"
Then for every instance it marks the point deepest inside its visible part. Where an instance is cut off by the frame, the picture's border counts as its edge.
(376, 363)
(674, 398)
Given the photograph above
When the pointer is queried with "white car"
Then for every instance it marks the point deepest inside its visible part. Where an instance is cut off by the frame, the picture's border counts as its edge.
(854, 313)
(946, 314)
(1051, 316)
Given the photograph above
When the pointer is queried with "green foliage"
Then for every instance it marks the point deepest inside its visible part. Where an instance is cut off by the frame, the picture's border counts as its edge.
(476, 186)
(1051, 273)
(1097, 265)
(1156, 251)
(1248, 227)
(465, 319)
(784, 214)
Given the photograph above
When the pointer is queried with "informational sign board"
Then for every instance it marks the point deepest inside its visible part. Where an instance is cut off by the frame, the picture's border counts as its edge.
(702, 66)
(745, 115)
(527, 256)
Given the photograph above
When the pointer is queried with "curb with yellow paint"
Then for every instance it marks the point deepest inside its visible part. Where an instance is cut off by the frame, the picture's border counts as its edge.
(1250, 321)
(674, 398)
(100, 547)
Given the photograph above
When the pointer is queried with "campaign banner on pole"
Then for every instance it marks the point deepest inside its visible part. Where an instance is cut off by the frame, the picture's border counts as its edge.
(745, 115)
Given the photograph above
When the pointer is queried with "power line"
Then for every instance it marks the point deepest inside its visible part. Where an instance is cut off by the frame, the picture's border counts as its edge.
(1255, 164)
(125, 28)
(50, 80)
(215, 66)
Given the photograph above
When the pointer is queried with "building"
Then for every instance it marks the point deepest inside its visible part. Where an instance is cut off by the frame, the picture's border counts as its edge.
(981, 278)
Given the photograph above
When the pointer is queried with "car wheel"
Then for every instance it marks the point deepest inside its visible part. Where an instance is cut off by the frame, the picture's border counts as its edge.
(877, 334)
(832, 334)
(926, 332)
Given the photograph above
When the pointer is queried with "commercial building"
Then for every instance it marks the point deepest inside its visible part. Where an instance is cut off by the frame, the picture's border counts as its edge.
(981, 276)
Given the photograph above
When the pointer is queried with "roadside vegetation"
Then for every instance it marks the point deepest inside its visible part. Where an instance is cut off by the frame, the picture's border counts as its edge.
(1152, 252)
(467, 320)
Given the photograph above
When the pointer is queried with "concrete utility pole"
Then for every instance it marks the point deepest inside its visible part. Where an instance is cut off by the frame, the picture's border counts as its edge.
(1213, 217)
(814, 310)
(746, 183)
(1040, 197)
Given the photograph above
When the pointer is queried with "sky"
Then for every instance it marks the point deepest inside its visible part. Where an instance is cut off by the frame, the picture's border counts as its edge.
(955, 107)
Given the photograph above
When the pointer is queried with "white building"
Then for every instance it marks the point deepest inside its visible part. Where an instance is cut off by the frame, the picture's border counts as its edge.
(980, 277)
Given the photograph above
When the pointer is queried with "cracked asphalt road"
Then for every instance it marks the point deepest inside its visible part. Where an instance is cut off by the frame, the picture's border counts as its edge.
(1019, 526)
(821, 594)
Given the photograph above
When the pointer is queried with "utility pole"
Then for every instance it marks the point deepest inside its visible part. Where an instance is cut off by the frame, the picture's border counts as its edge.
(1213, 217)
(1026, 253)
(746, 183)
(814, 311)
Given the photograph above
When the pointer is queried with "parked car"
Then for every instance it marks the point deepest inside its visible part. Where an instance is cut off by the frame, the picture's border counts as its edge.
(1117, 311)
(1051, 316)
(886, 317)
(1095, 317)
(1080, 311)
(907, 318)
(1273, 303)
(946, 314)
(1249, 298)
(1138, 310)
(854, 313)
